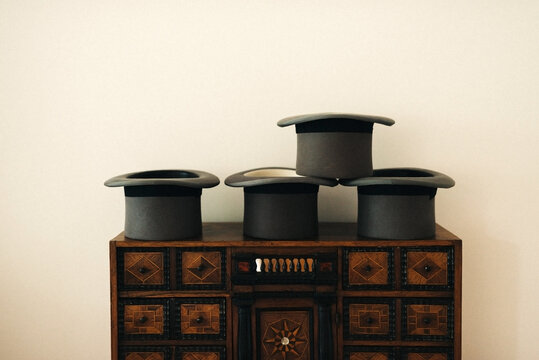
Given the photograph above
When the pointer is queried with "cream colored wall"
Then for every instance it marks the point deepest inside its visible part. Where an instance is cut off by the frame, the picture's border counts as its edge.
(92, 89)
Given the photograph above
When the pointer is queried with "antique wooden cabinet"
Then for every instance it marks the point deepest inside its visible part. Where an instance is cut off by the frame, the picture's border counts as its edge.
(226, 296)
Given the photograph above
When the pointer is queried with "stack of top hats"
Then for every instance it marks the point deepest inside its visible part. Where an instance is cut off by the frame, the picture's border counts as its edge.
(282, 203)
(336, 148)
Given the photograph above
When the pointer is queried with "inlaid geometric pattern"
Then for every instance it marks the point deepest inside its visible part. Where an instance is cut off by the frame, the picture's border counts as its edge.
(144, 319)
(200, 356)
(368, 268)
(369, 319)
(423, 319)
(426, 268)
(426, 356)
(200, 319)
(285, 335)
(368, 356)
(144, 268)
(201, 267)
(142, 355)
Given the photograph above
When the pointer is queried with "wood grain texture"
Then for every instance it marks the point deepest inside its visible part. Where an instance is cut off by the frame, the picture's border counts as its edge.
(201, 267)
(200, 319)
(368, 268)
(144, 319)
(285, 335)
(145, 355)
(144, 268)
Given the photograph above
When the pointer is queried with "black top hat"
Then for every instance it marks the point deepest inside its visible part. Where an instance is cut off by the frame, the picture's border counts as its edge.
(279, 204)
(334, 145)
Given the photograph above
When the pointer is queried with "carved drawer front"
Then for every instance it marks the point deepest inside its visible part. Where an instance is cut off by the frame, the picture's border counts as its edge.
(201, 318)
(368, 268)
(202, 269)
(427, 354)
(427, 319)
(285, 334)
(143, 269)
(145, 353)
(368, 353)
(143, 319)
(428, 268)
(366, 318)
(201, 353)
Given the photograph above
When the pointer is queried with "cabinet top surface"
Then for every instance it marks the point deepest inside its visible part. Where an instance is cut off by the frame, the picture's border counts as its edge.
(330, 235)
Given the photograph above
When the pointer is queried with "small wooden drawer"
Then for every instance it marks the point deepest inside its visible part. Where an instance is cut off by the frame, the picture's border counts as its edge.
(369, 319)
(145, 353)
(428, 268)
(200, 353)
(201, 269)
(368, 353)
(201, 318)
(426, 354)
(144, 319)
(368, 268)
(427, 319)
(143, 268)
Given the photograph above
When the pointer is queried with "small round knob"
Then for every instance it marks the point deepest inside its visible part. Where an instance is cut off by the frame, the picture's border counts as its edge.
(426, 321)
(427, 267)
(370, 320)
(143, 319)
(200, 267)
(367, 268)
(142, 270)
(199, 319)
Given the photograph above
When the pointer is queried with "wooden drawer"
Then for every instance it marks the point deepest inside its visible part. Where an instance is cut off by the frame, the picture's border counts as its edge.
(201, 318)
(201, 269)
(368, 268)
(145, 353)
(143, 319)
(426, 354)
(200, 353)
(427, 319)
(428, 268)
(143, 268)
(369, 319)
(368, 353)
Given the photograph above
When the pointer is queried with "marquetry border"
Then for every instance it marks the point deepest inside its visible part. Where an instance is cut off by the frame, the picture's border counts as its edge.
(258, 330)
(450, 319)
(390, 269)
(220, 286)
(222, 318)
(443, 350)
(347, 301)
(126, 349)
(350, 349)
(180, 350)
(166, 316)
(450, 267)
(121, 270)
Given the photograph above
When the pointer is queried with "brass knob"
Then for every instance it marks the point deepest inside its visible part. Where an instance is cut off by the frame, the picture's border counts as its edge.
(199, 319)
(143, 319)
(142, 270)
(427, 268)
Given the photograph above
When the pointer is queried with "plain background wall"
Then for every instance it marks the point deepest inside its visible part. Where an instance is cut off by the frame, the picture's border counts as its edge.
(93, 89)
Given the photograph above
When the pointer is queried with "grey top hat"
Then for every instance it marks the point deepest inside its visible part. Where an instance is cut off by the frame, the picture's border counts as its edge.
(274, 175)
(403, 176)
(300, 119)
(187, 178)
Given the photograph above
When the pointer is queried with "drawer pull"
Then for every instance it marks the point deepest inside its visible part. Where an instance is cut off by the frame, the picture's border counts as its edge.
(143, 270)
(142, 319)
(367, 268)
(426, 321)
(370, 320)
(201, 267)
(427, 268)
(199, 319)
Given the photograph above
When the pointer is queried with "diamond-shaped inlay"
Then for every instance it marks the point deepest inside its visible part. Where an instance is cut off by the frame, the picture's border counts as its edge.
(201, 268)
(145, 356)
(144, 268)
(368, 356)
(368, 268)
(200, 356)
(427, 268)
